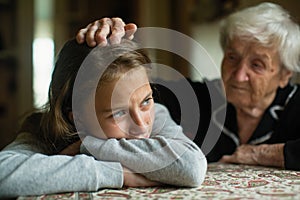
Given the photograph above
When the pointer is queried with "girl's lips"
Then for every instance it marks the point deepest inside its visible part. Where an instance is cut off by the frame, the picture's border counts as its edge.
(140, 135)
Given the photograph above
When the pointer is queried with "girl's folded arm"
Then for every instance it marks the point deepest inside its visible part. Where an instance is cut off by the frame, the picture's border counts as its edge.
(168, 156)
(24, 170)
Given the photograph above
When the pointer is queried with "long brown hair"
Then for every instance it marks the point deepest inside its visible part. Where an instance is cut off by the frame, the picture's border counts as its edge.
(53, 126)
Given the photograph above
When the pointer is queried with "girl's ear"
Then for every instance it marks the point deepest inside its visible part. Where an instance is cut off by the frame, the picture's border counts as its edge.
(70, 116)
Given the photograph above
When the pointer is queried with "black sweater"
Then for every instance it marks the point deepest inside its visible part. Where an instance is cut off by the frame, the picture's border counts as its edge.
(216, 131)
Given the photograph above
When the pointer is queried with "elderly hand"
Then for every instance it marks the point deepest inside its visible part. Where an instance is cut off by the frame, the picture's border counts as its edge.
(99, 31)
(264, 154)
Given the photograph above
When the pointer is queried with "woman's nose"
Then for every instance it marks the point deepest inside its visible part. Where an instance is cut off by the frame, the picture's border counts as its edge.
(241, 72)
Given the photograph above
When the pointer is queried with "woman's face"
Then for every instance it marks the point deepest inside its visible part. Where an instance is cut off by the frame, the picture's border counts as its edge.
(252, 74)
(125, 107)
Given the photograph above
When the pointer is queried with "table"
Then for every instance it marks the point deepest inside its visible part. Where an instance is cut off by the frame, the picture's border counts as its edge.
(223, 181)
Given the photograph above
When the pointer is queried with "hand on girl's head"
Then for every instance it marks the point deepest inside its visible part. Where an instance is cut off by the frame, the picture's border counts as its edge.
(98, 32)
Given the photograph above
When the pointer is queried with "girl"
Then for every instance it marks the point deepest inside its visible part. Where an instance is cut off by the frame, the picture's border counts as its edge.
(135, 134)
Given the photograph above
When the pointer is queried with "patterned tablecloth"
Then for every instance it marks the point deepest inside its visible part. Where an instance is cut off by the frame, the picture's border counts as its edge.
(223, 181)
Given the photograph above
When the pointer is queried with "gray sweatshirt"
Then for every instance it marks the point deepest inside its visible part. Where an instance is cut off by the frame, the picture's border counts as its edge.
(168, 156)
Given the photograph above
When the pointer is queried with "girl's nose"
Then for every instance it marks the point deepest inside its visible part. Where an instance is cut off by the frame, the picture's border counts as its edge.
(139, 122)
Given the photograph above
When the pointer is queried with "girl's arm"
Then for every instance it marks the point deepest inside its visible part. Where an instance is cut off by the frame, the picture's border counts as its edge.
(168, 156)
(25, 170)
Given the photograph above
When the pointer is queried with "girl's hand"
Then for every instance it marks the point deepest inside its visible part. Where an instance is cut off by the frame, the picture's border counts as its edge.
(132, 179)
(72, 149)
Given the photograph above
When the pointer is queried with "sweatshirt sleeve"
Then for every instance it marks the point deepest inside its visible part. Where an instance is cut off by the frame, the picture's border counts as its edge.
(24, 170)
(168, 156)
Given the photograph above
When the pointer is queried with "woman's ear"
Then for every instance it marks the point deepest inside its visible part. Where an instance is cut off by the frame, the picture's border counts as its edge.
(285, 77)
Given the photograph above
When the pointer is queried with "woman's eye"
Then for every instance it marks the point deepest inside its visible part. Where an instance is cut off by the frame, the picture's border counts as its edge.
(231, 57)
(258, 66)
(255, 65)
(118, 114)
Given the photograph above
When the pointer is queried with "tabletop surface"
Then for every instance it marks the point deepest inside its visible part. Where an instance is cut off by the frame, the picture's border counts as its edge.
(222, 181)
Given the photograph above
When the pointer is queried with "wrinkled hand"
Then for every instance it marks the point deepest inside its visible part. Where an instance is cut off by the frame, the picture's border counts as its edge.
(264, 154)
(132, 179)
(244, 154)
(72, 149)
(99, 31)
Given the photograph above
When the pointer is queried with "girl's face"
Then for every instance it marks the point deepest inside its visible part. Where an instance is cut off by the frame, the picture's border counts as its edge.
(125, 107)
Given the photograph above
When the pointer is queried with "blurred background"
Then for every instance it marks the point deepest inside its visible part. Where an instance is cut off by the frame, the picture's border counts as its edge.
(33, 31)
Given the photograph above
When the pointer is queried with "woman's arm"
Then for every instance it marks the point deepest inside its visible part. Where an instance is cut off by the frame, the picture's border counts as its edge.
(263, 154)
(24, 170)
(285, 154)
(168, 156)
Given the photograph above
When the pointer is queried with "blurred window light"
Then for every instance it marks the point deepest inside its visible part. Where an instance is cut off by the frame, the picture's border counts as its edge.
(43, 50)
(43, 59)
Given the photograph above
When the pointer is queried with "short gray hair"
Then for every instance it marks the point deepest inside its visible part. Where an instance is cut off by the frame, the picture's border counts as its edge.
(271, 26)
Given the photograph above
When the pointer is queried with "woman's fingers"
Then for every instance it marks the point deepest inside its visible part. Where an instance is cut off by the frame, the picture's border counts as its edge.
(100, 31)
(117, 30)
(130, 29)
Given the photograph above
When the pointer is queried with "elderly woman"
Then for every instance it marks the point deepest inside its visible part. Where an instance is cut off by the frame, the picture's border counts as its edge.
(261, 47)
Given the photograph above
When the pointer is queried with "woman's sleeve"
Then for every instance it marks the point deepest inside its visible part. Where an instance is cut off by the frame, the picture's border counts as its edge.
(288, 128)
(168, 156)
(292, 155)
(25, 171)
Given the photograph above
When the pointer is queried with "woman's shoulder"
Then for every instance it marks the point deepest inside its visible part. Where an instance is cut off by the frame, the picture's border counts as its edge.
(289, 96)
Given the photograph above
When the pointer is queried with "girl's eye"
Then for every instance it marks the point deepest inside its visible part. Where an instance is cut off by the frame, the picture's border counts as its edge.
(147, 101)
(118, 114)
